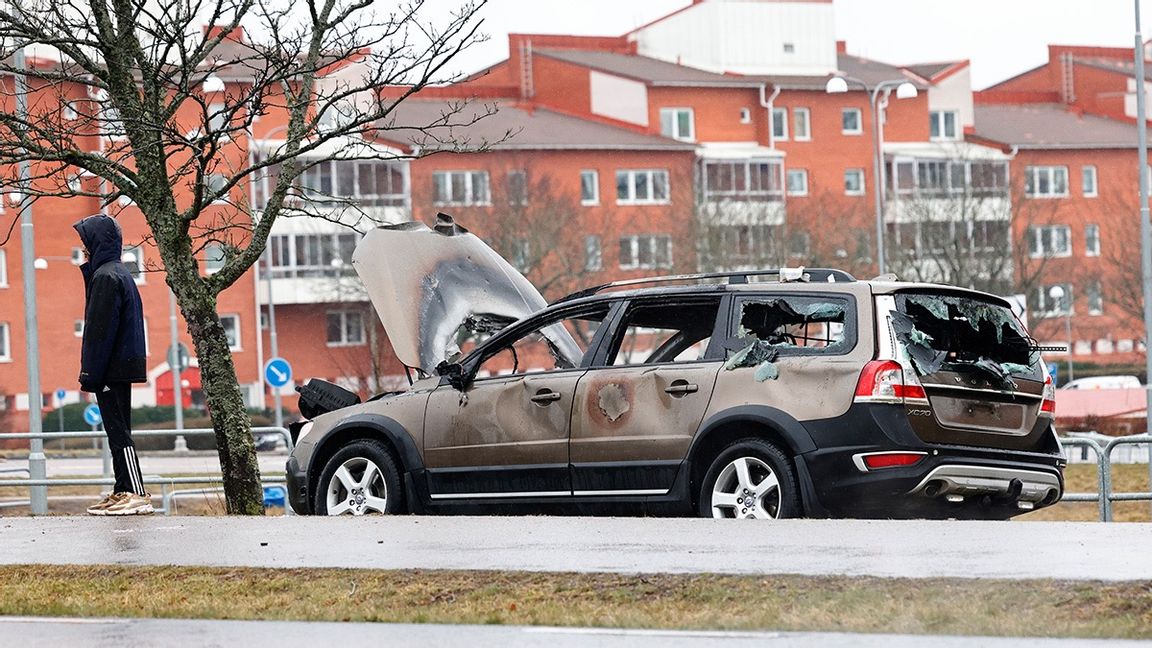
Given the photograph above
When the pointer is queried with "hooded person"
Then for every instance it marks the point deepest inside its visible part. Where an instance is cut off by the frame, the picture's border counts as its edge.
(113, 357)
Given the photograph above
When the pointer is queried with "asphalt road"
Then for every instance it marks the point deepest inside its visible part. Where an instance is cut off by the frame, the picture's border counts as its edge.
(910, 549)
(142, 633)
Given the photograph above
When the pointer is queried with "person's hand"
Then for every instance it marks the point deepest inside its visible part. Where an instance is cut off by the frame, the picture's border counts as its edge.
(91, 388)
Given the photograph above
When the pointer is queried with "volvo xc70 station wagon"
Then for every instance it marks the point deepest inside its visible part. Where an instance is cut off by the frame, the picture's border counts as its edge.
(769, 394)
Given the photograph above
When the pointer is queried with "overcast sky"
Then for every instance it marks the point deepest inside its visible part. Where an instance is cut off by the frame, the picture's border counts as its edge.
(1001, 37)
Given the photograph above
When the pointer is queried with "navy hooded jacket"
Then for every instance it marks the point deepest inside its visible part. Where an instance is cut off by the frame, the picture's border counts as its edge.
(113, 347)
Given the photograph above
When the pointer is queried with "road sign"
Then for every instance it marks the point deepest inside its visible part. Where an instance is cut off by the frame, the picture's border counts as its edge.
(277, 372)
(92, 415)
(60, 394)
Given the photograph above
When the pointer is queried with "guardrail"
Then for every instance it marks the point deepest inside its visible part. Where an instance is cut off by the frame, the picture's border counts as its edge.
(1104, 495)
(164, 482)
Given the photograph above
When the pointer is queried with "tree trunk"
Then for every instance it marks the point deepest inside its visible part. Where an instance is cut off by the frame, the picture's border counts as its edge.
(243, 492)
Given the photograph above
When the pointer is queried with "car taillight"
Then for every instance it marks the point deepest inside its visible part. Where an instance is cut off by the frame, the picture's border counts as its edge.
(1048, 405)
(885, 381)
(890, 459)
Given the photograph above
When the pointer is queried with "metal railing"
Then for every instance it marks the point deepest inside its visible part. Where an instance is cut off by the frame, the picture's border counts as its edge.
(164, 482)
(1104, 495)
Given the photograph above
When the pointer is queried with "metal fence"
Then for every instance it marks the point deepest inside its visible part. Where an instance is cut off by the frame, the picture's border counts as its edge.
(165, 483)
(1104, 496)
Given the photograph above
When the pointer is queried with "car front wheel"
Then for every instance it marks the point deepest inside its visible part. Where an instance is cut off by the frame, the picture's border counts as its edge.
(750, 479)
(360, 478)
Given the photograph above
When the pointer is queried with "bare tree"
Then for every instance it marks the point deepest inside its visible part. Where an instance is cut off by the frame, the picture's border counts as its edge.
(162, 111)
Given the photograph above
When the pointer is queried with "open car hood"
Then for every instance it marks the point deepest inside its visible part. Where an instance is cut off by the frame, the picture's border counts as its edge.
(429, 284)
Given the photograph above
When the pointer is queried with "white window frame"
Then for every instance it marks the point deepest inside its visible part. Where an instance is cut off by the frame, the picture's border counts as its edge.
(1098, 294)
(522, 199)
(1033, 175)
(1042, 237)
(594, 175)
(211, 266)
(78, 328)
(147, 345)
(650, 175)
(937, 122)
(235, 317)
(68, 110)
(3, 268)
(799, 173)
(77, 256)
(1092, 240)
(672, 115)
(1090, 189)
(1046, 309)
(218, 119)
(137, 250)
(745, 116)
(343, 315)
(801, 134)
(5, 342)
(859, 130)
(863, 184)
(780, 124)
(473, 195)
(654, 241)
(213, 182)
(593, 253)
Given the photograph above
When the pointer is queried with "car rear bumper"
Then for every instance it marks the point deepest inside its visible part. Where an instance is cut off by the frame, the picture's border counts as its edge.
(949, 481)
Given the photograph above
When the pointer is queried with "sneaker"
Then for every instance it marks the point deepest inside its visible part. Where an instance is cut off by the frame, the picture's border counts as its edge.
(130, 504)
(100, 507)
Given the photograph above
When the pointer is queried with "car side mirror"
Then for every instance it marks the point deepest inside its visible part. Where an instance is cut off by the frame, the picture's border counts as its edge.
(454, 372)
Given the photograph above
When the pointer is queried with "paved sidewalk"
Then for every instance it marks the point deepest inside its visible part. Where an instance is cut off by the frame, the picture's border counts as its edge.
(910, 549)
(175, 633)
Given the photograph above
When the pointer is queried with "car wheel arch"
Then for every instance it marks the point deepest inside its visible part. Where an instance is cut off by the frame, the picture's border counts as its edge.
(746, 421)
(367, 426)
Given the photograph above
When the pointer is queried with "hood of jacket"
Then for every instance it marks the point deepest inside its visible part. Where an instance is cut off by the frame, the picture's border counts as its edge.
(102, 238)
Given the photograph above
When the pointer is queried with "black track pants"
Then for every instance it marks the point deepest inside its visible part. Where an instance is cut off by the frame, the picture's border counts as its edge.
(116, 409)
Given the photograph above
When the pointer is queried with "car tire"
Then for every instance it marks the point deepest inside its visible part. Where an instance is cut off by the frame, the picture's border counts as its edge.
(750, 478)
(362, 477)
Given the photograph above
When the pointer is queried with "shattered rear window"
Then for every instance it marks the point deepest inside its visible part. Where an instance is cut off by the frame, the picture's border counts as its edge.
(795, 325)
(953, 333)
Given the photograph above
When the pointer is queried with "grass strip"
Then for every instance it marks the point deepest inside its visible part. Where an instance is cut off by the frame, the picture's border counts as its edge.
(1034, 608)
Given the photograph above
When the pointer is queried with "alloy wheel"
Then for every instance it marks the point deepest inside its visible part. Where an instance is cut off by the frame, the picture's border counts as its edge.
(747, 488)
(357, 487)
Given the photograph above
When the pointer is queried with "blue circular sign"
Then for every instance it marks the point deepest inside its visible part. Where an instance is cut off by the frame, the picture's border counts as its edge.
(92, 415)
(60, 394)
(277, 372)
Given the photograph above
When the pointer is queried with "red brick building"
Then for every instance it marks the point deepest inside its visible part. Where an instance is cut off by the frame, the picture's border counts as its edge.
(705, 139)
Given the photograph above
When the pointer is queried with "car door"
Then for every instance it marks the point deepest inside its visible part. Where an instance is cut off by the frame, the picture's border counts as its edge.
(506, 434)
(639, 406)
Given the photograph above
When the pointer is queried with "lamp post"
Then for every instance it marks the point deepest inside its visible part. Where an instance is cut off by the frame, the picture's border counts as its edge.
(37, 495)
(1058, 295)
(272, 338)
(1145, 226)
(877, 102)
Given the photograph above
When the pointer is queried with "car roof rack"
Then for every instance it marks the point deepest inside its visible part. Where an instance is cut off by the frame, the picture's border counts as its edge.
(828, 275)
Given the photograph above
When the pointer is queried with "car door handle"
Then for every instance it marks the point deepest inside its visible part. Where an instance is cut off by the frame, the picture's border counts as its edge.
(545, 396)
(681, 387)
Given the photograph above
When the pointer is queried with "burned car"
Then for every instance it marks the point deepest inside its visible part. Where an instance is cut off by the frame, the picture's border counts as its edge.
(768, 394)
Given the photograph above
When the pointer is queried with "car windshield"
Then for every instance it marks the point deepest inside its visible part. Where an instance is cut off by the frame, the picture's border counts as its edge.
(952, 332)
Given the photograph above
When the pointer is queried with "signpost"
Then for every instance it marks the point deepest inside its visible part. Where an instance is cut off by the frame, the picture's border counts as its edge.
(60, 394)
(277, 373)
(92, 417)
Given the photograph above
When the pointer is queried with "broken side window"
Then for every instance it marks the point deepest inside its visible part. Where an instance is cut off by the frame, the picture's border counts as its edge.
(768, 327)
(554, 346)
(961, 333)
(657, 333)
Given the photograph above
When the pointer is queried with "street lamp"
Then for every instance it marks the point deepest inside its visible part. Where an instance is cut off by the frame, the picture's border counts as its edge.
(1058, 295)
(878, 101)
